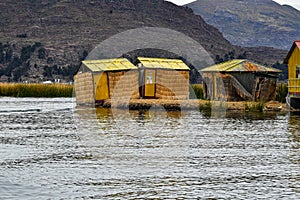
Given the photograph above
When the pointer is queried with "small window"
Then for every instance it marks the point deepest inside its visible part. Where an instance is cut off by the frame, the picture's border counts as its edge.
(297, 71)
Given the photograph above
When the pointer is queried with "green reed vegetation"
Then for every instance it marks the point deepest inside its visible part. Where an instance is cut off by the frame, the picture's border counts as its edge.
(255, 106)
(206, 107)
(281, 92)
(35, 90)
(196, 89)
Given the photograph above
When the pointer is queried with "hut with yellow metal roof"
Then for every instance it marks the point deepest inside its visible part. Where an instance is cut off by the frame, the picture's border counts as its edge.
(239, 80)
(293, 61)
(162, 78)
(96, 80)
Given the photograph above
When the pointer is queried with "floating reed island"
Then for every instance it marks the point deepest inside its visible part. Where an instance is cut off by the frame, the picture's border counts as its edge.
(35, 90)
(194, 104)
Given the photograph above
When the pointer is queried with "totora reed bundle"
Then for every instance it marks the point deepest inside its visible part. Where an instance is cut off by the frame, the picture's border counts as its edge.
(126, 82)
(84, 88)
(173, 85)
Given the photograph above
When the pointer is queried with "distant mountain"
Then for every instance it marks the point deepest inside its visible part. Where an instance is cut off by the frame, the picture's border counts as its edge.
(252, 22)
(47, 39)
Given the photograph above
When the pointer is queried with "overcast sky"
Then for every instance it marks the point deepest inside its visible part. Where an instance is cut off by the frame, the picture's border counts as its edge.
(295, 3)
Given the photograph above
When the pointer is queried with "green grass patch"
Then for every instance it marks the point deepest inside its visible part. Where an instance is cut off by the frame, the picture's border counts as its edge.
(36, 90)
(255, 106)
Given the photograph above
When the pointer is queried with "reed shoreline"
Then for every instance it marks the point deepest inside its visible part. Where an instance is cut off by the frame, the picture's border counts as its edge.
(35, 90)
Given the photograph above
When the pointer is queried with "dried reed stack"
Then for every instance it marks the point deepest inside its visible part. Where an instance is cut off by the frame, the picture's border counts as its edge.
(172, 85)
(267, 89)
(84, 88)
(230, 92)
(226, 87)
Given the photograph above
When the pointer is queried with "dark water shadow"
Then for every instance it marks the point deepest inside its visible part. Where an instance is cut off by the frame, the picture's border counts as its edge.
(242, 115)
(294, 127)
(252, 115)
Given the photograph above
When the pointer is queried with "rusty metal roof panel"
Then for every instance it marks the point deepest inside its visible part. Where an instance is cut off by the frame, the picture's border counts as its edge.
(117, 64)
(163, 63)
(223, 66)
(239, 66)
(298, 44)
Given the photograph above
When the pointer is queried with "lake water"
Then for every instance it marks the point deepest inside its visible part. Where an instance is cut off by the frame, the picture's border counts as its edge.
(51, 150)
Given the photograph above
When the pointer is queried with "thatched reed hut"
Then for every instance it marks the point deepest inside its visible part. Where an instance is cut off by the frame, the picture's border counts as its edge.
(293, 61)
(239, 80)
(96, 80)
(162, 78)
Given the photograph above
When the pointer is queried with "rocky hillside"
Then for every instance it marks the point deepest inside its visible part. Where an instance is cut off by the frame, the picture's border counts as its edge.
(46, 39)
(252, 22)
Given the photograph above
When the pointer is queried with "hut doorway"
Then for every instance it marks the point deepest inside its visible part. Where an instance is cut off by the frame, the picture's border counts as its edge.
(101, 86)
(150, 79)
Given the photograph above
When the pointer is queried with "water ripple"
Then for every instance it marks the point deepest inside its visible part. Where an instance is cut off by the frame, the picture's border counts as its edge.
(59, 152)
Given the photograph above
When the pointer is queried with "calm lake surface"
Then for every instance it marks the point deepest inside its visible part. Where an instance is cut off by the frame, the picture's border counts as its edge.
(51, 150)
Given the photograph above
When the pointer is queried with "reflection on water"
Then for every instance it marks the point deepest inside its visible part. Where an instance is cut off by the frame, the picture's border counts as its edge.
(140, 115)
(56, 151)
(294, 128)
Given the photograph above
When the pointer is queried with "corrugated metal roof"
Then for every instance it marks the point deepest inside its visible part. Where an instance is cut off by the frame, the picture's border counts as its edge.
(115, 64)
(295, 44)
(163, 63)
(239, 66)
